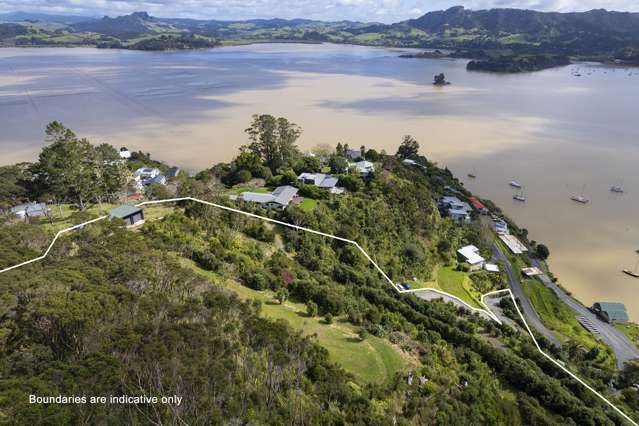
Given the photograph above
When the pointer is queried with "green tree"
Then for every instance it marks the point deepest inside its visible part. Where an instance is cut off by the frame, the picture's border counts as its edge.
(111, 171)
(542, 251)
(408, 149)
(157, 191)
(273, 140)
(328, 318)
(362, 333)
(281, 295)
(311, 309)
(338, 164)
(67, 168)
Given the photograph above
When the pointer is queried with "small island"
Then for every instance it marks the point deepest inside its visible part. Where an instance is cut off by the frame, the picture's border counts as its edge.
(518, 63)
(427, 54)
(440, 80)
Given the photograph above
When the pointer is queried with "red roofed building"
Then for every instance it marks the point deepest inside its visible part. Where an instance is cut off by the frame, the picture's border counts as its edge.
(478, 205)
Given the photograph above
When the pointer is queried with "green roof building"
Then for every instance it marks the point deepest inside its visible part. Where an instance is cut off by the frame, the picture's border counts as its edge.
(611, 312)
(130, 214)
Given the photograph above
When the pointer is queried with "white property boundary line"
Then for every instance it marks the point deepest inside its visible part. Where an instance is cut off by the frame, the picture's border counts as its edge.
(472, 309)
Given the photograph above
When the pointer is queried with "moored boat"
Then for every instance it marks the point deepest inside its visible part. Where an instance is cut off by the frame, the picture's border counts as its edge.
(579, 199)
(515, 184)
(631, 273)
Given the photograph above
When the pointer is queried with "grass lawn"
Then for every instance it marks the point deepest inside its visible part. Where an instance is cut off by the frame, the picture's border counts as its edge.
(631, 330)
(373, 360)
(63, 215)
(451, 281)
(308, 204)
(557, 316)
(157, 211)
(237, 190)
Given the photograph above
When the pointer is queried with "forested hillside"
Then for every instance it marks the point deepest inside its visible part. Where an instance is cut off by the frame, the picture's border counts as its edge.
(153, 310)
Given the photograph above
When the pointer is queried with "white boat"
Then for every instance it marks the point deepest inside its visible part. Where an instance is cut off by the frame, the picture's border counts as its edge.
(633, 273)
(519, 197)
(515, 184)
(616, 188)
(579, 199)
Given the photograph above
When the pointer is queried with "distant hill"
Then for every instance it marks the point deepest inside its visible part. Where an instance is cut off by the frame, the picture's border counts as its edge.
(125, 26)
(530, 22)
(43, 17)
(506, 38)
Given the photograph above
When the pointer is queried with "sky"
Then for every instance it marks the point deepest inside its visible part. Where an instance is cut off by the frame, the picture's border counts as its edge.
(386, 11)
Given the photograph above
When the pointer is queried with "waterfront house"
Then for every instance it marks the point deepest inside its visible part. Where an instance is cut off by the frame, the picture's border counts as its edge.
(130, 214)
(470, 255)
(278, 199)
(513, 244)
(501, 227)
(611, 312)
(34, 209)
(478, 205)
(456, 209)
(172, 172)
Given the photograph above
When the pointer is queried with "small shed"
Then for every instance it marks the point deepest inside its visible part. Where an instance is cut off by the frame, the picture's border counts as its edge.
(612, 312)
(132, 215)
(31, 210)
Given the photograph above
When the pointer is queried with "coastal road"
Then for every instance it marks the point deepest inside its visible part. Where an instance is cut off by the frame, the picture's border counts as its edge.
(622, 347)
(532, 318)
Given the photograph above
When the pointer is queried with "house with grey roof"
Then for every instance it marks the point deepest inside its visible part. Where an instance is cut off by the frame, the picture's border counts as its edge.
(354, 154)
(172, 172)
(363, 167)
(159, 179)
(612, 312)
(456, 209)
(278, 199)
(33, 209)
(321, 180)
(130, 214)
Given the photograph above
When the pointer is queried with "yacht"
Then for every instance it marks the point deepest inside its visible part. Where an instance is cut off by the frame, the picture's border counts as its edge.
(519, 197)
(515, 184)
(616, 188)
(580, 198)
(634, 273)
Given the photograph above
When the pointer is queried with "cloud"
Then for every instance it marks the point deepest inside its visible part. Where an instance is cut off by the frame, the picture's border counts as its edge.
(361, 10)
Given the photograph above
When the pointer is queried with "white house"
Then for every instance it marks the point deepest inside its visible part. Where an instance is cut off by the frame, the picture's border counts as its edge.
(125, 153)
(470, 255)
(363, 167)
(278, 199)
(145, 173)
(148, 176)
